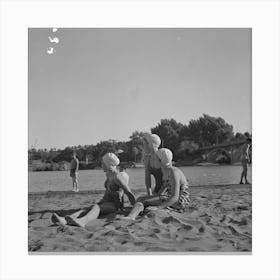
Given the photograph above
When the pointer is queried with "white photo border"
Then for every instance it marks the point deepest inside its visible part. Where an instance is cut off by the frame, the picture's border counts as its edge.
(18, 16)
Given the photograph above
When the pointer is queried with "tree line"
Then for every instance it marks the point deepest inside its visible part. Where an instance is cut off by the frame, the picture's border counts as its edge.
(184, 140)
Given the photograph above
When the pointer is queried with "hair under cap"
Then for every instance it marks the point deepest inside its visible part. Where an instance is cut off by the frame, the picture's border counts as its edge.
(165, 156)
(153, 139)
(110, 159)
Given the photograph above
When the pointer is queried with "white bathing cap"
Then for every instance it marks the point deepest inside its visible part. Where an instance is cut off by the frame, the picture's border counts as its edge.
(165, 156)
(153, 140)
(110, 159)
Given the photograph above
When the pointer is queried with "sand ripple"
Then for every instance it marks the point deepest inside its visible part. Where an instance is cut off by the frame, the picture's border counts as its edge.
(219, 219)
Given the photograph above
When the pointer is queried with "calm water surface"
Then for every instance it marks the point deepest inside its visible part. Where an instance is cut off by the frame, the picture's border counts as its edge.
(94, 179)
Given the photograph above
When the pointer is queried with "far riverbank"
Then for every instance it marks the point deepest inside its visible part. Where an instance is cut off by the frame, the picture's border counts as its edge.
(94, 179)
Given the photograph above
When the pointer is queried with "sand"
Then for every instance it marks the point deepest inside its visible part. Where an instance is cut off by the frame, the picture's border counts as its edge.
(219, 219)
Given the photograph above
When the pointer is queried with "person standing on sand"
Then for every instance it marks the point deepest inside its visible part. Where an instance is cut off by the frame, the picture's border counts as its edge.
(116, 186)
(74, 167)
(151, 143)
(174, 193)
(246, 157)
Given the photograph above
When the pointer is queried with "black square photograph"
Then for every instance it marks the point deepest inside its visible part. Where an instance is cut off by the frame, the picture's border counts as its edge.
(139, 140)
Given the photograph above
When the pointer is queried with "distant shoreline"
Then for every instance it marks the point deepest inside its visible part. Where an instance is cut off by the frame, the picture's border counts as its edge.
(83, 192)
(140, 166)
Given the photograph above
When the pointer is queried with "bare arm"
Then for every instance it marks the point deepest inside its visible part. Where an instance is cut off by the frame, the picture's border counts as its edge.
(148, 181)
(250, 154)
(161, 190)
(175, 190)
(77, 165)
(244, 150)
(120, 180)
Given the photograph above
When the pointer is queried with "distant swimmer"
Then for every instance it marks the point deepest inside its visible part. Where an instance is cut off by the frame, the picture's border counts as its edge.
(246, 158)
(74, 167)
(151, 143)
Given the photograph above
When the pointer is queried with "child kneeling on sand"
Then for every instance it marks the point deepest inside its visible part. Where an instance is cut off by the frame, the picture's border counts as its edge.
(174, 192)
(116, 186)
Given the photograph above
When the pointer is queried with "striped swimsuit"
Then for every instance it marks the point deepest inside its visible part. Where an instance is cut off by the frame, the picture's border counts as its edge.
(184, 195)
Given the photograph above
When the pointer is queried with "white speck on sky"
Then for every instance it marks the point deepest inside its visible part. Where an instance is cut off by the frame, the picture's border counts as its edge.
(50, 50)
(54, 40)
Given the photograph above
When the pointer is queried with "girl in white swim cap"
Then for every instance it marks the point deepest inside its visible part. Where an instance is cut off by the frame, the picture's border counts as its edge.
(116, 185)
(174, 193)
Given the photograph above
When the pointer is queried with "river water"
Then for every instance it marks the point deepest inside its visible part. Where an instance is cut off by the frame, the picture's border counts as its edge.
(94, 179)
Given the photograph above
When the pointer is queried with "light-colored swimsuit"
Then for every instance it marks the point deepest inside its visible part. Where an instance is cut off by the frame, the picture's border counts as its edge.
(184, 195)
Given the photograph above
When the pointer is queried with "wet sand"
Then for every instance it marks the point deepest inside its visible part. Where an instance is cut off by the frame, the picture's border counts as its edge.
(219, 219)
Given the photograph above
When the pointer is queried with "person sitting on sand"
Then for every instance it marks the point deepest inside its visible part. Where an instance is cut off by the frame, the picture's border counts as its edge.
(74, 167)
(116, 186)
(151, 142)
(245, 159)
(174, 193)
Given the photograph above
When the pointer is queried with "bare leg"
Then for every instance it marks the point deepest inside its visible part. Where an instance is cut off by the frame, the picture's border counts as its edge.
(56, 219)
(245, 175)
(95, 211)
(73, 182)
(244, 171)
(241, 179)
(145, 197)
(139, 206)
(136, 210)
(77, 184)
(77, 214)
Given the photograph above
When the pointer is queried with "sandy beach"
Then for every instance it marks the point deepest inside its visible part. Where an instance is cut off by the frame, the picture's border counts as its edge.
(219, 219)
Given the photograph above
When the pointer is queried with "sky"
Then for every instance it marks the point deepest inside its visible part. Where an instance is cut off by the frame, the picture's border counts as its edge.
(100, 84)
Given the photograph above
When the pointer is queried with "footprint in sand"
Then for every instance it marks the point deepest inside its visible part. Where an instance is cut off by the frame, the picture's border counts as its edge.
(233, 230)
(64, 229)
(33, 217)
(41, 223)
(168, 220)
(201, 229)
(46, 215)
(35, 246)
(223, 219)
(109, 227)
(242, 207)
(89, 235)
(187, 227)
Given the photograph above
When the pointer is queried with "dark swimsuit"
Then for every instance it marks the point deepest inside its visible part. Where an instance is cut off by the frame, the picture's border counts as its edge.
(156, 172)
(113, 194)
(73, 166)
